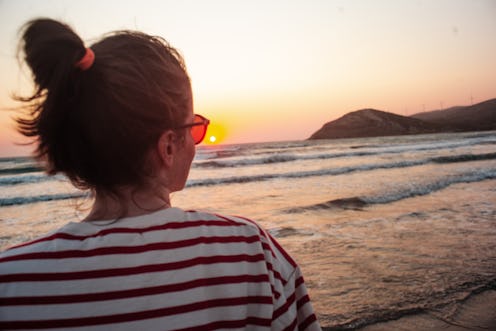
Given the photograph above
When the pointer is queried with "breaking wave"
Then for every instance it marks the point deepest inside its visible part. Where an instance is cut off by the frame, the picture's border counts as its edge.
(358, 203)
(39, 198)
(376, 150)
(340, 171)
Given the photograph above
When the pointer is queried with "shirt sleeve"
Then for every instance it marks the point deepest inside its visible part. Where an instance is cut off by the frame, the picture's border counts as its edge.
(292, 307)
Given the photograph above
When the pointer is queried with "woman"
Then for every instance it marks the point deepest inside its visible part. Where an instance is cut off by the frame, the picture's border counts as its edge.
(117, 119)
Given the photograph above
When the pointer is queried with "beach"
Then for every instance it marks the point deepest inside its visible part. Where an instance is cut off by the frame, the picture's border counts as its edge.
(391, 233)
(476, 313)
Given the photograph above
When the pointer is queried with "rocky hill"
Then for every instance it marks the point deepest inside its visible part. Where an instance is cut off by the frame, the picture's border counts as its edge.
(375, 123)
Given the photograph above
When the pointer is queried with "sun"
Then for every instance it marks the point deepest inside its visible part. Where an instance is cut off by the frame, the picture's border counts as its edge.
(216, 133)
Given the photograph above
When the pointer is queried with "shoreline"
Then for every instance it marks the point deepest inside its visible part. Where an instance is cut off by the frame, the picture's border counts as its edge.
(478, 312)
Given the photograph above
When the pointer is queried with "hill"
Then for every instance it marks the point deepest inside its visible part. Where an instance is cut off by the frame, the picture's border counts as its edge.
(481, 116)
(373, 123)
(376, 123)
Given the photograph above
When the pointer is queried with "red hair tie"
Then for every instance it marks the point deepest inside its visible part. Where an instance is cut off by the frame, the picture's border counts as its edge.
(87, 61)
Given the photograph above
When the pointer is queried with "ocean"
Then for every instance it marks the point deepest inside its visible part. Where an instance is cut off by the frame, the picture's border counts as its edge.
(381, 227)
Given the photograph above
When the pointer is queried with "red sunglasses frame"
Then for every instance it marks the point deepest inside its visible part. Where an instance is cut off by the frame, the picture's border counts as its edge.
(199, 120)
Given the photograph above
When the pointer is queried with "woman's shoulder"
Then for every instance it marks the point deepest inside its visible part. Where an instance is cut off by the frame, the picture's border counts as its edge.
(252, 227)
(224, 220)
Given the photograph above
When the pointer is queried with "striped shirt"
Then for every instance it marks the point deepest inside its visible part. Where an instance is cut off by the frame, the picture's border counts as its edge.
(168, 270)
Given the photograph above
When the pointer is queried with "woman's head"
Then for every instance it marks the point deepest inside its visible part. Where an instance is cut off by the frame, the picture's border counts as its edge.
(98, 125)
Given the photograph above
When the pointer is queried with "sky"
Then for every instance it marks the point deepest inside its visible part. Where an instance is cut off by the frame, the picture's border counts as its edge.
(273, 70)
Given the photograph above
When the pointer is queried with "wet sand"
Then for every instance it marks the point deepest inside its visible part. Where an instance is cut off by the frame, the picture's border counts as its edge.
(478, 312)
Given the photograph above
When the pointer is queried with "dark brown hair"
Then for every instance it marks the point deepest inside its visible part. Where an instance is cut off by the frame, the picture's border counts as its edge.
(96, 126)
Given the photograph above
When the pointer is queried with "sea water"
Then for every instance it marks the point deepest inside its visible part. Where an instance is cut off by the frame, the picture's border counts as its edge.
(381, 227)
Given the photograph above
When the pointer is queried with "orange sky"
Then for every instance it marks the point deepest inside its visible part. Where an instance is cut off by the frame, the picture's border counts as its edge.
(277, 70)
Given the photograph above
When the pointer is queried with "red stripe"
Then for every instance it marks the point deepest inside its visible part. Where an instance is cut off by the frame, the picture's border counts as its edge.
(291, 326)
(284, 308)
(166, 226)
(266, 246)
(116, 272)
(230, 220)
(125, 294)
(230, 324)
(303, 300)
(136, 316)
(307, 322)
(68, 254)
(283, 252)
(270, 238)
(276, 274)
(260, 231)
(299, 281)
(274, 292)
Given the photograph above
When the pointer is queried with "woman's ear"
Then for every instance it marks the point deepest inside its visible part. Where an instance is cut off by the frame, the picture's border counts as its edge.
(166, 148)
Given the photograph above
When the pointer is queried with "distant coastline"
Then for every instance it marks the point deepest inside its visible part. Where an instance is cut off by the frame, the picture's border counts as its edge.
(377, 123)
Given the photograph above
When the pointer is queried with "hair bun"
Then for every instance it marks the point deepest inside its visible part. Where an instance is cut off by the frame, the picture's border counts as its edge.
(51, 49)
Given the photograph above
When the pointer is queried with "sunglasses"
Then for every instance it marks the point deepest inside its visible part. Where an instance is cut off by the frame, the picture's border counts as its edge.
(198, 128)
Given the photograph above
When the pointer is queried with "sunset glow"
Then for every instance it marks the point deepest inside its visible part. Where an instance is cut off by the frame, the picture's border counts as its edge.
(278, 70)
(216, 134)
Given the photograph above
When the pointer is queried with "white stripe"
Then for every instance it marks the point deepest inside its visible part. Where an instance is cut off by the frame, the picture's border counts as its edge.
(136, 304)
(129, 260)
(124, 282)
(131, 239)
(191, 319)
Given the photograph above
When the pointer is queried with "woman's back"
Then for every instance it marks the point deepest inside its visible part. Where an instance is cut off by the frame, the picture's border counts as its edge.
(169, 270)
